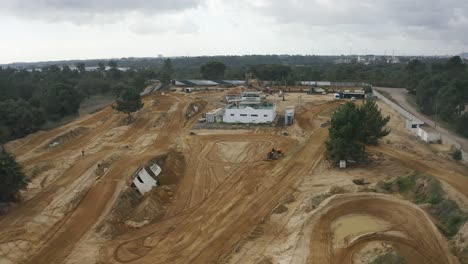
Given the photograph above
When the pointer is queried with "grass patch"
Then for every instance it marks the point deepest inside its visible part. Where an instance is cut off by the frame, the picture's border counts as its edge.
(421, 188)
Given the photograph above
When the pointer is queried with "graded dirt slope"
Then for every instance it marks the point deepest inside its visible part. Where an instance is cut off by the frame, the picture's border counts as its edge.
(225, 195)
(336, 238)
(205, 229)
(68, 204)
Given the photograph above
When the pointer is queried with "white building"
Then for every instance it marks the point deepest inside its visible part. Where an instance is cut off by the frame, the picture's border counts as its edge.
(289, 115)
(251, 97)
(250, 113)
(413, 124)
(428, 134)
(144, 180)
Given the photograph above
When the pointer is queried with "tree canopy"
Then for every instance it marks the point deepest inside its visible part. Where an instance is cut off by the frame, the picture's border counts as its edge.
(12, 178)
(213, 70)
(352, 128)
(440, 89)
(129, 101)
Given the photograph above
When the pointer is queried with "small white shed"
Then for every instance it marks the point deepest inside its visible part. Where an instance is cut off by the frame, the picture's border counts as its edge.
(289, 115)
(413, 124)
(428, 134)
(143, 181)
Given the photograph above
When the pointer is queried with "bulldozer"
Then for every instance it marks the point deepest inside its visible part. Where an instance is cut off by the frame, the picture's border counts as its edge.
(275, 154)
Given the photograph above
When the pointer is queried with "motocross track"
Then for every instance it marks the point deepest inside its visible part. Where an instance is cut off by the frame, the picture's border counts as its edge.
(406, 227)
(227, 191)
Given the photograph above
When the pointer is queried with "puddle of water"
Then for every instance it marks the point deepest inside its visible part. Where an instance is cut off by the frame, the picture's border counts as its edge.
(355, 224)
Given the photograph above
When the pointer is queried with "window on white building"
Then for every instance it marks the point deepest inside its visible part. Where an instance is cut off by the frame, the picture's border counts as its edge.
(243, 115)
(254, 115)
(265, 115)
(232, 114)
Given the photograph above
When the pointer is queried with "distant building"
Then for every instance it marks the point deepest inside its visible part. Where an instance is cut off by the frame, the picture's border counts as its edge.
(289, 115)
(428, 134)
(413, 124)
(250, 113)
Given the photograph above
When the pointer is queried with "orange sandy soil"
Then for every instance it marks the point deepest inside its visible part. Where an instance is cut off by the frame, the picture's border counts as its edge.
(229, 205)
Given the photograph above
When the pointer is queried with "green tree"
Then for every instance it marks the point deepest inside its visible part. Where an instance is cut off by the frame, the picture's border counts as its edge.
(60, 100)
(462, 125)
(12, 177)
(101, 66)
(118, 88)
(213, 70)
(115, 73)
(19, 118)
(112, 64)
(352, 128)
(166, 72)
(81, 67)
(345, 134)
(128, 102)
(373, 123)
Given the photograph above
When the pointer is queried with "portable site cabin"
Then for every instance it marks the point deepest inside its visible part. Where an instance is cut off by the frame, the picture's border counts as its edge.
(413, 124)
(428, 134)
(145, 179)
(289, 115)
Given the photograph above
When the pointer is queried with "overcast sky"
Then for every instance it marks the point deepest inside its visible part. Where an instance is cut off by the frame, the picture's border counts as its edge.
(35, 30)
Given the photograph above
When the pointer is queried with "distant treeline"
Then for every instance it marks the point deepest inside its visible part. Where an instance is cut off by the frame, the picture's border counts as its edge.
(441, 89)
(29, 98)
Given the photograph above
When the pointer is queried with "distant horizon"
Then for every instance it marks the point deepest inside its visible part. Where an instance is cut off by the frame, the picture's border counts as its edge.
(229, 55)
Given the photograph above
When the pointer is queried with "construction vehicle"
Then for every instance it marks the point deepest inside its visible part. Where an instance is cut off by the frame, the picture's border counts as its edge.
(361, 181)
(274, 154)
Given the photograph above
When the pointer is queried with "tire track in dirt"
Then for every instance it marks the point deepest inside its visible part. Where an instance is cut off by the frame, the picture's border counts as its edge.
(210, 230)
(98, 198)
(410, 230)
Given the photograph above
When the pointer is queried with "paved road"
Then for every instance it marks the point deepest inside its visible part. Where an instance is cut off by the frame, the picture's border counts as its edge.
(399, 95)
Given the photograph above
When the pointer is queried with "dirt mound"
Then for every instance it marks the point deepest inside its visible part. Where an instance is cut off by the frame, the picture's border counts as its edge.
(72, 134)
(173, 168)
(194, 108)
(154, 204)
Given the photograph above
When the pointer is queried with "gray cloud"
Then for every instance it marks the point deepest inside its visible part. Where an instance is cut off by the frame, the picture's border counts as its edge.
(423, 19)
(90, 11)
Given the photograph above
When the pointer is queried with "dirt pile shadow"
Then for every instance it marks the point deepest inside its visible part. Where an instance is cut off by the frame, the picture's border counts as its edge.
(133, 210)
(194, 108)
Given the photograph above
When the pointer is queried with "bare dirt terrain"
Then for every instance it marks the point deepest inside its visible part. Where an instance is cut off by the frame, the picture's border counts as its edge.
(220, 200)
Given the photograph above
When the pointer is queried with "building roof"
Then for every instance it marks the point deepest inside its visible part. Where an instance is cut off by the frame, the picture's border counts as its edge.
(214, 111)
(234, 82)
(254, 106)
(429, 129)
(203, 82)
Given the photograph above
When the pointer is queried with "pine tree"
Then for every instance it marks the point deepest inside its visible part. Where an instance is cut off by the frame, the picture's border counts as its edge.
(128, 102)
(373, 123)
(12, 177)
(352, 128)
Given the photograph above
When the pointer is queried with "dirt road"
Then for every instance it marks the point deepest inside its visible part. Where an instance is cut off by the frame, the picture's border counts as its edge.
(400, 95)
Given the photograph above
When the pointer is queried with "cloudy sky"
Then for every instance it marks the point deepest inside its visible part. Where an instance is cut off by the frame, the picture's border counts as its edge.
(35, 30)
